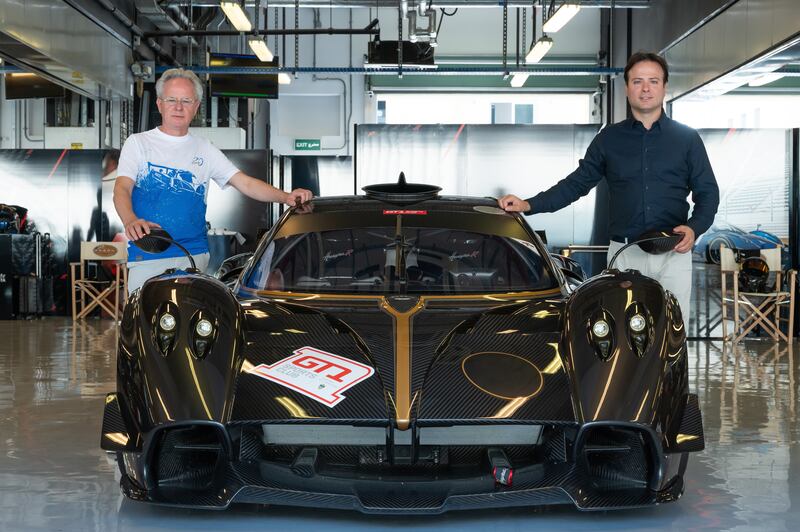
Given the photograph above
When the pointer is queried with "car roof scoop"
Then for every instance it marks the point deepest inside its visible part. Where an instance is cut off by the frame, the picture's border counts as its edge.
(401, 193)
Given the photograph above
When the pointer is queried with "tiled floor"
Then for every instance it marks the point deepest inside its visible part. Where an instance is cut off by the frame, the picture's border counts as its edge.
(53, 475)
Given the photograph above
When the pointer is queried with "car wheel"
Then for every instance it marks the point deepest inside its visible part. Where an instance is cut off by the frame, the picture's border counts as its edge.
(712, 251)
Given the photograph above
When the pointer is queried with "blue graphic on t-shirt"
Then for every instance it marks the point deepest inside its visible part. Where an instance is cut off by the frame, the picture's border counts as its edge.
(176, 200)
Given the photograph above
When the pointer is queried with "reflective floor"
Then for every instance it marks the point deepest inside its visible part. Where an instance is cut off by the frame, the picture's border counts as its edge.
(53, 475)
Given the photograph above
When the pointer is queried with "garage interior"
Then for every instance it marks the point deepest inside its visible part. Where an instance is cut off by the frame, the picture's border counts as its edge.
(336, 105)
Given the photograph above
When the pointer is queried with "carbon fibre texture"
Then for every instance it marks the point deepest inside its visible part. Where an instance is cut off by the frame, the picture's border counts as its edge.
(555, 445)
(250, 445)
(400, 500)
(112, 418)
(692, 425)
(447, 380)
(255, 396)
(180, 463)
(613, 470)
(429, 329)
(556, 484)
(435, 380)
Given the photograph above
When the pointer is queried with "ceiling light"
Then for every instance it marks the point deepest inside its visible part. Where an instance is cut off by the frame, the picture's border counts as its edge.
(284, 78)
(518, 80)
(260, 48)
(561, 16)
(236, 16)
(539, 49)
(766, 78)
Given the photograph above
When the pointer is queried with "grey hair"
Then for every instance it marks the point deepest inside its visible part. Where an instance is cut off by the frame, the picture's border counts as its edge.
(175, 73)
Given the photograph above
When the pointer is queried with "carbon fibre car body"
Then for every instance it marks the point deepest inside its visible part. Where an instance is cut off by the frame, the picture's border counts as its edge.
(402, 359)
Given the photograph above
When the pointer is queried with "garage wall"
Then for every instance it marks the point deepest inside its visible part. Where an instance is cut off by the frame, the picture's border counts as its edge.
(322, 107)
(332, 105)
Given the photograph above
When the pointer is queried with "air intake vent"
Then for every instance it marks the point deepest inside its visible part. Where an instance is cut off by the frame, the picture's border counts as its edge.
(189, 458)
(616, 458)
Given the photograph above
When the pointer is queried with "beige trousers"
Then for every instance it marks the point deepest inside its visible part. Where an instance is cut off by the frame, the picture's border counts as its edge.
(140, 271)
(673, 270)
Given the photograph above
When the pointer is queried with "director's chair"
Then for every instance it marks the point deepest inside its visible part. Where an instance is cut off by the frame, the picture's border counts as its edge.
(751, 309)
(88, 292)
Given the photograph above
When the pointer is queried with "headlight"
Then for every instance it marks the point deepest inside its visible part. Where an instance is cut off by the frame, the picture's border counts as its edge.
(204, 328)
(601, 328)
(639, 328)
(601, 334)
(167, 322)
(637, 323)
(165, 327)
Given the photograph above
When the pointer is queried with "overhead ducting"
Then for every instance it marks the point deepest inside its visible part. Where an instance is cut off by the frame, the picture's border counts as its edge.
(173, 21)
(446, 4)
(62, 44)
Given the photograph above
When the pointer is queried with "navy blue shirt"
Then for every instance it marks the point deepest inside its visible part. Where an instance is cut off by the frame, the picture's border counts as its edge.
(649, 173)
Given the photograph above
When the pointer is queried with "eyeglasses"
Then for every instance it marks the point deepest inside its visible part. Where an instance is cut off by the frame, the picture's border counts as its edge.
(173, 101)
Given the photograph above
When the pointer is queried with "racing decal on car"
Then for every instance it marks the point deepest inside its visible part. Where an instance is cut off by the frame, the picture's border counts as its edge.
(404, 211)
(329, 256)
(461, 256)
(317, 374)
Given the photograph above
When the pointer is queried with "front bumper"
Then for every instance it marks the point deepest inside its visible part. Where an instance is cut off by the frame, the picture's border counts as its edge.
(247, 483)
(594, 466)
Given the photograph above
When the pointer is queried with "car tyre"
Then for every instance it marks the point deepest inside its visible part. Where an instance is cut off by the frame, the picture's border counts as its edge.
(712, 251)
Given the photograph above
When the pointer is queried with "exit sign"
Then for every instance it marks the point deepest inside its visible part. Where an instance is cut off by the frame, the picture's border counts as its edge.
(306, 144)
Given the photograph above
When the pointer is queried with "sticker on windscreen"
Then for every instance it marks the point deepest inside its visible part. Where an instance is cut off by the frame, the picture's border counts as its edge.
(486, 209)
(317, 374)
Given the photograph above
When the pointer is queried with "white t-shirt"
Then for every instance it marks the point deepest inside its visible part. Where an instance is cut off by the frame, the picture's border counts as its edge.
(172, 175)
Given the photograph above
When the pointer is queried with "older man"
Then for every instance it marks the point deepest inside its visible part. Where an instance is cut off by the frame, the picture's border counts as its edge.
(163, 178)
(651, 163)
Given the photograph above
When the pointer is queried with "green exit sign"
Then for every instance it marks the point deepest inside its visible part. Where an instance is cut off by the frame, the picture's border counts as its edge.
(306, 144)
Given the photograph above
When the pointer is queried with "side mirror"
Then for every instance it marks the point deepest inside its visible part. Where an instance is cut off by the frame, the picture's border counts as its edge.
(572, 276)
(653, 242)
(571, 268)
(659, 242)
(158, 241)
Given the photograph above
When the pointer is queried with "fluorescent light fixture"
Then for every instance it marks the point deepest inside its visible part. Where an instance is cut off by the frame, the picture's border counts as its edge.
(539, 49)
(260, 48)
(284, 78)
(518, 80)
(766, 78)
(236, 15)
(559, 19)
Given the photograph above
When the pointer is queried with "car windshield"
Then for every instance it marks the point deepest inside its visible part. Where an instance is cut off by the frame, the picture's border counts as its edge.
(390, 259)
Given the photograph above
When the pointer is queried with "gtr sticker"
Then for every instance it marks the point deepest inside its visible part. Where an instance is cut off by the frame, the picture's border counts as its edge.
(317, 374)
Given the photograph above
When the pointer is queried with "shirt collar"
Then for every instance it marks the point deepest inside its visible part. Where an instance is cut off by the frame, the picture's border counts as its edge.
(662, 122)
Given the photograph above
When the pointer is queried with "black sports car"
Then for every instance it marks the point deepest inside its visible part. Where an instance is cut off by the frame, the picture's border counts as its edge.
(402, 352)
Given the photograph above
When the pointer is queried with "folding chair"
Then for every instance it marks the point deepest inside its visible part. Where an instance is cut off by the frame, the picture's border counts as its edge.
(89, 293)
(751, 309)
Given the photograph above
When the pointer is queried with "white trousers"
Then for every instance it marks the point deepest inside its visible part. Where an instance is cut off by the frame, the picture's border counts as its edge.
(142, 270)
(673, 270)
